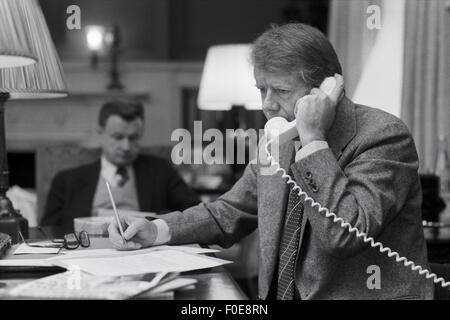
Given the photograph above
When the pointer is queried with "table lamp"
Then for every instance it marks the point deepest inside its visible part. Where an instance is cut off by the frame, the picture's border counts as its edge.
(228, 83)
(24, 36)
(227, 79)
(16, 40)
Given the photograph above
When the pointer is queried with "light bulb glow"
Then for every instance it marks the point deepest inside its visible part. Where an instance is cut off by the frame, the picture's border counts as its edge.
(94, 37)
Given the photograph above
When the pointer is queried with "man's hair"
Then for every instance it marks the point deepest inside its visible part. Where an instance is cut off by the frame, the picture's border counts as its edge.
(126, 109)
(296, 48)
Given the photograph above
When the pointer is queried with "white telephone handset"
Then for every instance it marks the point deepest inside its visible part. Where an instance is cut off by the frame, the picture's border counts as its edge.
(280, 129)
(284, 130)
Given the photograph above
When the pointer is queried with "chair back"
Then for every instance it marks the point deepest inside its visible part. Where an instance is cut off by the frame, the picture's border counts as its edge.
(441, 270)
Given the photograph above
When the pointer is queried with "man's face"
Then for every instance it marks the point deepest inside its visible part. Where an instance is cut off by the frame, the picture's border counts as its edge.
(279, 93)
(119, 139)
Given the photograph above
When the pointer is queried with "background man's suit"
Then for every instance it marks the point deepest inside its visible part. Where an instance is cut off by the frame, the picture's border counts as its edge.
(368, 176)
(159, 189)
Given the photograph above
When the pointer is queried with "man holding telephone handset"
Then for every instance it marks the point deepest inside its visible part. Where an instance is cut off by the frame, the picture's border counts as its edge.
(359, 162)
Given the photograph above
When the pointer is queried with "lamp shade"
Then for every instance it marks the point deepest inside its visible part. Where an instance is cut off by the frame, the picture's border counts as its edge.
(15, 35)
(25, 25)
(227, 79)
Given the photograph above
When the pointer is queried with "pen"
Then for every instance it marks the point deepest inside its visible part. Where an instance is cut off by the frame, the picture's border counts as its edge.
(21, 236)
(115, 209)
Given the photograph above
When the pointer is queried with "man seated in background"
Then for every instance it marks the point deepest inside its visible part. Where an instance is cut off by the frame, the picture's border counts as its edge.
(138, 182)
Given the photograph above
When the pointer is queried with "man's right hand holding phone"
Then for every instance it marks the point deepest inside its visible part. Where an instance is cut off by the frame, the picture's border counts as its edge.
(315, 112)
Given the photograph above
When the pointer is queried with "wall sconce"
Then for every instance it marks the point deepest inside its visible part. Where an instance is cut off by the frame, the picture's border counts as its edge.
(95, 42)
(100, 39)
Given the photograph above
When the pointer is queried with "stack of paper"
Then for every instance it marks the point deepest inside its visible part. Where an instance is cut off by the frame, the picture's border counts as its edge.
(167, 260)
(112, 274)
(78, 285)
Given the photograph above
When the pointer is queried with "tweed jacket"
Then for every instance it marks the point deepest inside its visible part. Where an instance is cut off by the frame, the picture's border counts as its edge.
(368, 176)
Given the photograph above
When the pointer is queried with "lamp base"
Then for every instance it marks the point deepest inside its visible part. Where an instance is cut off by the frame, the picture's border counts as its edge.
(11, 222)
(6, 206)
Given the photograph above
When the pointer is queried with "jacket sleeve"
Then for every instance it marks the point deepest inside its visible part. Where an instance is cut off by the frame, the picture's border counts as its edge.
(368, 192)
(54, 205)
(224, 221)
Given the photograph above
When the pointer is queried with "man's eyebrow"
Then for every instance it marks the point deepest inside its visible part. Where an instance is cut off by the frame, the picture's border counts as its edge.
(282, 87)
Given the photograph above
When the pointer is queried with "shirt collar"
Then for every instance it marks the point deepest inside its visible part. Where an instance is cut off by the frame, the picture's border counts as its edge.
(109, 170)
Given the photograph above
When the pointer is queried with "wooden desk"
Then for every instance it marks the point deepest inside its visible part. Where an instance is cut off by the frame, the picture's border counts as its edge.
(213, 284)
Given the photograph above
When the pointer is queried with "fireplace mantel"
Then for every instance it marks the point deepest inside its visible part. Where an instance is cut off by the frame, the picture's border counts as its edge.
(159, 85)
(31, 123)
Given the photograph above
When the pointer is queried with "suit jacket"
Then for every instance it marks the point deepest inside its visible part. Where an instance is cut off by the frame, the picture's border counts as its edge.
(368, 176)
(159, 187)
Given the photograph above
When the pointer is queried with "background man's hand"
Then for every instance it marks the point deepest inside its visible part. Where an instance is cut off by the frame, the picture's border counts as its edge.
(138, 233)
(315, 112)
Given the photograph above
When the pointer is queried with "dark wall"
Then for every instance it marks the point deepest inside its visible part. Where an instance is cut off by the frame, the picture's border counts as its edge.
(177, 29)
(22, 169)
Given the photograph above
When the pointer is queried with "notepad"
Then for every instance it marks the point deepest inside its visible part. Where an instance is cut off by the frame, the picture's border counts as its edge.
(150, 262)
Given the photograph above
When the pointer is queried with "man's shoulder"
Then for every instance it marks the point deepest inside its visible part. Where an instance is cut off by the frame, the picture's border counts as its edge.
(152, 161)
(78, 171)
(371, 121)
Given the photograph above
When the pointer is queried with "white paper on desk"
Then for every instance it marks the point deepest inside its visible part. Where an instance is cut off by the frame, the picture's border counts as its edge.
(194, 249)
(175, 284)
(97, 253)
(25, 263)
(105, 253)
(151, 262)
(68, 285)
(26, 249)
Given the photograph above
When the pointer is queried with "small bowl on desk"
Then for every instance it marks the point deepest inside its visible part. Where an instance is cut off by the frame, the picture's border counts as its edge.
(94, 226)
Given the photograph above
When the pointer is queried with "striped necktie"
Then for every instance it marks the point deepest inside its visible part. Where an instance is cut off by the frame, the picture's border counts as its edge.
(123, 176)
(289, 247)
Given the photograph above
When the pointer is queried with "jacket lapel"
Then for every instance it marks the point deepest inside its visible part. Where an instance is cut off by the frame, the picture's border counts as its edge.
(272, 195)
(344, 127)
(341, 133)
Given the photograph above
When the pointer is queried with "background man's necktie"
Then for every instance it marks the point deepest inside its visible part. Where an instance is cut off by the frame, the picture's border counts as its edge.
(123, 176)
(289, 247)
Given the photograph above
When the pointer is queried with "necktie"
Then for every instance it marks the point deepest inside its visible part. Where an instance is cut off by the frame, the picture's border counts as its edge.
(289, 247)
(123, 176)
